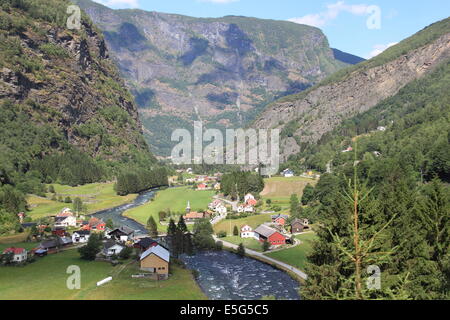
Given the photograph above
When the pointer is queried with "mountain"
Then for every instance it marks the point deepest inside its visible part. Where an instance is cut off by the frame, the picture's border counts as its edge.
(346, 57)
(304, 118)
(222, 71)
(66, 116)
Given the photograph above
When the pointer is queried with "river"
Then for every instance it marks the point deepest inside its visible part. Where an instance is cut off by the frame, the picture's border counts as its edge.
(116, 214)
(226, 276)
(222, 275)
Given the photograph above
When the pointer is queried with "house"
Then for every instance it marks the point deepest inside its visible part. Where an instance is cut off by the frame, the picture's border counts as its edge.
(59, 231)
(96, 224)
(145, 243)
(192, 216)
(221, 209)
(81, 236)
(280, 219)
(251, 202)
(18, 254)
(156, 260)
(247, 232)
(123, 234)
(297, 226)
(248, 196)
(65, 219)
(213, 205)
(111, 248)
(48, 246)
(288, 173)
(265, 233)
(202, 186)
(65, 241)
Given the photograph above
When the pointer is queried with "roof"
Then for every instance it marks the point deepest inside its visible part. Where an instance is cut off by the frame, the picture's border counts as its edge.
(194, 215)
(298, 221)
(48, 244)
(82, 232)
(274, 217)
(246, 225)
(14, 250)
(158, 251)
(124, 230)
(146, 242)
(110, 244)
(265, 230)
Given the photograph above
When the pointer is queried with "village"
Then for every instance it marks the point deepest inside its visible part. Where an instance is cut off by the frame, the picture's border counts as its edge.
(249, 222)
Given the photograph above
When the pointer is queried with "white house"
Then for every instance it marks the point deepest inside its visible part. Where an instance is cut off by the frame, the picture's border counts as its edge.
(81, 236)
(19, 254)
(248, 197)
(66, 219)
(112, 248)
(221, 209)
(247, 232)
(288, 173)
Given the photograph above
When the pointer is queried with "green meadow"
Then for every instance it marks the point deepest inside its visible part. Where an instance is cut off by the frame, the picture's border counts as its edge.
(173, 199)
(46, 279)
(227, 225)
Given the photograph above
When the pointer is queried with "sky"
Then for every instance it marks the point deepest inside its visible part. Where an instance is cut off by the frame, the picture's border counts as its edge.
(363, 28)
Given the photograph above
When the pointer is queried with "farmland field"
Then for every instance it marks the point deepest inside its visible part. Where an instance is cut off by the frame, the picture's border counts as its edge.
(174, 199)
(296, 256)
(278, 188)
(249, 243)
(46, 279)
(96, 196)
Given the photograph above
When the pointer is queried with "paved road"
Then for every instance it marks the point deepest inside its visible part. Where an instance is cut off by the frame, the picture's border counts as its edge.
(250, 252)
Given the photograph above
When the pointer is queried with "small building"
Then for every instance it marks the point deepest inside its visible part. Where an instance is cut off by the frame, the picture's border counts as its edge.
(221, 209)
(264, 233)
(288, 173)
(97, 225)
(279, 219)
(145, 243)
(122, 234)
(81, 236)
(297, 226)
(251, 202)
(202, 186)
(59, 231)
(248, 196)
(247, 232)
(65, 219)
(18, 254)
(156, 260)
(193, 216)
(111, 248)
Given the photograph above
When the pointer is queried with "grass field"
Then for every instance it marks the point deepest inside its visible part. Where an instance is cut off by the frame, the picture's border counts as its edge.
(25, 245)
(296, 256)
(96, 196)
(46, 280)
(252, 244)
(17, 238)
(279, 188)
(174, 199)
(253, 221)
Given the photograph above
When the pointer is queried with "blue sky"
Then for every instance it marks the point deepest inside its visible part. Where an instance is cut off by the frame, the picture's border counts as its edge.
(360, 27)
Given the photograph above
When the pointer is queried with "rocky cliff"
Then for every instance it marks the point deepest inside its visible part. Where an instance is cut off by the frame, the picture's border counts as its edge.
(64, 79)
(307, 116)
(222, 71)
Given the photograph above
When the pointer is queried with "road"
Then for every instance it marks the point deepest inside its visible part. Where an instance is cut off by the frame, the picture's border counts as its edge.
(253, 253)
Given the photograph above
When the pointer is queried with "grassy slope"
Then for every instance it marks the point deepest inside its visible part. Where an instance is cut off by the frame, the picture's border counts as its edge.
(248, 243)
(296, 256)
(174, 199)
(280, 187)
(252, 221)
(46, 279)
(97, 196)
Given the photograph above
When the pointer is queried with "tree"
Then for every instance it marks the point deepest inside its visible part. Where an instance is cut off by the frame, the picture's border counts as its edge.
(152, 227)
(91, 249)
(235, 231)
(51, 189)
(172, 228)
(77, 205)
(125, 253)
(266, 246)
(308, 194)
(68, 200)
(162, 215)
(241, 250)
(295, 206)
(109, 223)
(182, 225)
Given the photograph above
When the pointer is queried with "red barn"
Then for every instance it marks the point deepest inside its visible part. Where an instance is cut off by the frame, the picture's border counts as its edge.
(274, 237)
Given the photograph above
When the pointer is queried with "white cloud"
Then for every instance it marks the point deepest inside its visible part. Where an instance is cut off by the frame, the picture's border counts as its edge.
(219, 1)
(119, 3)
(333, 10)
(379, 48)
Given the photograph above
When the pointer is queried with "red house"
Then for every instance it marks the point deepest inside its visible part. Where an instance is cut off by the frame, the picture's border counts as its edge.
(251, 202)
(274, 237)
(202, 186)
(280, 219)
(96, 224)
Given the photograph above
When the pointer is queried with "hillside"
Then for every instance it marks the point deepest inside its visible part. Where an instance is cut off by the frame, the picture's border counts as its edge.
(65, 115)
(304, 118)
(222, 71)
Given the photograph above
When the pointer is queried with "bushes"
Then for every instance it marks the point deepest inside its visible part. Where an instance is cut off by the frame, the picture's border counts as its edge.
(53, 50)
(139, 180)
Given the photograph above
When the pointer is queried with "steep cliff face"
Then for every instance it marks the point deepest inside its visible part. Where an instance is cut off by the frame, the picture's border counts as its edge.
(222, 71)
(64, 79)
(307, 116)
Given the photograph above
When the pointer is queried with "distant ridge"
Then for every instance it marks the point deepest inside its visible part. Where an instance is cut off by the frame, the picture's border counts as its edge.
(346, 57)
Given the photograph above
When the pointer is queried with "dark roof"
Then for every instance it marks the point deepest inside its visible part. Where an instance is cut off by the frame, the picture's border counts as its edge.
(265, 231)
(83, 232)
(146, 242)
(123, 230)
(48, 244)
(110, 243)
(274, 217)
(297, 221)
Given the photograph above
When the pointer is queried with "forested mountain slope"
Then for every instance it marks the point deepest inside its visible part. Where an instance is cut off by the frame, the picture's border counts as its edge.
(306, 117)
(222, 71)
(65, 115)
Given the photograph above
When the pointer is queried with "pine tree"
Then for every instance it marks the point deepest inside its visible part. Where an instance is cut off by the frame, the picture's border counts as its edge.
(182, 225)
(152, 227)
